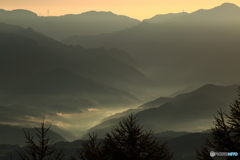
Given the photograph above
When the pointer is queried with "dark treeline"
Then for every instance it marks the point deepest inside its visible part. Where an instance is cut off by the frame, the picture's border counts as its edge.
(129, 141)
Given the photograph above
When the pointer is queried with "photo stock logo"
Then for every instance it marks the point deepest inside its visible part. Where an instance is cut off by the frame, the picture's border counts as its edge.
(223, 154)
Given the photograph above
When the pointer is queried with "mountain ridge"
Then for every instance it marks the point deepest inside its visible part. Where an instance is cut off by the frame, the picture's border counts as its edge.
(103, 65)
(177, 48)
(162, 17)
(59, 27)
(186, 111)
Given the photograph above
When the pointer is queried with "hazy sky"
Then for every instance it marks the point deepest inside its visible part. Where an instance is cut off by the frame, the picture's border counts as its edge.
(139, 9)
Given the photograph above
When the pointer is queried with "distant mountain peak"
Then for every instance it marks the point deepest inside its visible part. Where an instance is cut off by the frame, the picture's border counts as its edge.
(94, 13)
(23, 12)
(226, 12)
(229, 5)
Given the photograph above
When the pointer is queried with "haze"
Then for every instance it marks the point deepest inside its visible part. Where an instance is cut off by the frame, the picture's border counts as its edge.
(87, 69)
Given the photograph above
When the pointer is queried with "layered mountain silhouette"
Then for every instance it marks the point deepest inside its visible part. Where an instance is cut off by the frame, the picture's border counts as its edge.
(66, 86)
(196, 48)
(43, 77)
(59, 27)
(227, 12)
(191, 111)
(117, 65)
(111, 67)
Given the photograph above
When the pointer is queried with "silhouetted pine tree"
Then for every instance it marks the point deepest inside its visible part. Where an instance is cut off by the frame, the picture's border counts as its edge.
(44, 149)
(91, 149)
(204, 153)
(127, 141)
(226, 133)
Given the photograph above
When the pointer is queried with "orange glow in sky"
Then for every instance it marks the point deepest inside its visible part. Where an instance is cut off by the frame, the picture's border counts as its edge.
(139, 9)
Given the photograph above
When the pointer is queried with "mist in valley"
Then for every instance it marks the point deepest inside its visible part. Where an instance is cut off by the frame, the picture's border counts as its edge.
(84, 73)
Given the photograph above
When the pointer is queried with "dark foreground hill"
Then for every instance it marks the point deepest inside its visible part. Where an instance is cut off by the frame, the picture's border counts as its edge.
(14, 135)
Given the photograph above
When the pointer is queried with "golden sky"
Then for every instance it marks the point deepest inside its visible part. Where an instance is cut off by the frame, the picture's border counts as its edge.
(139, 9)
